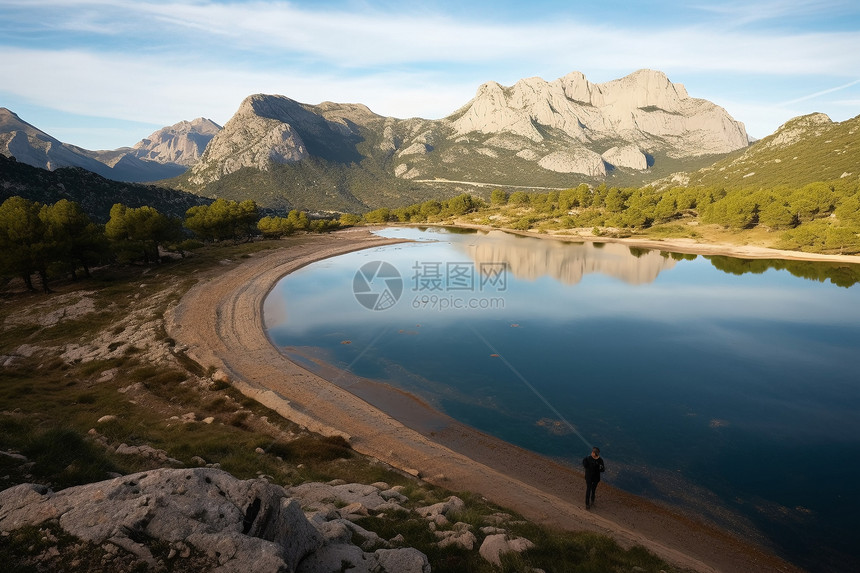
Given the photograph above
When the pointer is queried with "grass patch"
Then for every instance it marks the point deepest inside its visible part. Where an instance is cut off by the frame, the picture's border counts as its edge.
(671, 231)
(166, 383)
(94, 367)
(192, 366)
(63, 458)
(312, 448)
(578, 552)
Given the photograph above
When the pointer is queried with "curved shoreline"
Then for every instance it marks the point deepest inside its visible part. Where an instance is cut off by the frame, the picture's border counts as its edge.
(219, 322)
(675, 245)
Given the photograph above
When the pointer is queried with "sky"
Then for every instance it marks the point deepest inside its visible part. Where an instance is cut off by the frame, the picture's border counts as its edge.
(103, 74)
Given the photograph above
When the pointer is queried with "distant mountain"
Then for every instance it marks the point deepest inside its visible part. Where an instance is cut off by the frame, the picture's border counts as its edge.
(804, 150)
(179, 144)
(164, 154)
(94, 193)
(33, 146)
(534, 134)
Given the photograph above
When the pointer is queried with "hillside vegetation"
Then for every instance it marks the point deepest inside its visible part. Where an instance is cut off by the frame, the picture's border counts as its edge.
(95, 194)
(819, 217)
(804, 150)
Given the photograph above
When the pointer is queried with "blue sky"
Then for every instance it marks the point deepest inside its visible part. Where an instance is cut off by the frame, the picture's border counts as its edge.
(105, 73)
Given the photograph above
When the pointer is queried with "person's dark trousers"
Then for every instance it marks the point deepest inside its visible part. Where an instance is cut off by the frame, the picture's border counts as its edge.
(590, 487)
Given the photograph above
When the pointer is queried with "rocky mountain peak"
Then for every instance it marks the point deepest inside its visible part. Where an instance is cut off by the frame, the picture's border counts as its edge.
(810, 120)
(182, 143)
(799, 127)
(577, 87)
(642, 89)
(644, 108)
(256, 135)
(270, 129)
(9, 118)
(33, 146)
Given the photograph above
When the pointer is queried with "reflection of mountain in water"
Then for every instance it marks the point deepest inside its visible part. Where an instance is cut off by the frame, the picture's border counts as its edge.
(531, 259)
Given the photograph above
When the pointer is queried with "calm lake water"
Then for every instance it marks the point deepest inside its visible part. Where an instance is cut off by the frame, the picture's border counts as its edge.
(725, 387)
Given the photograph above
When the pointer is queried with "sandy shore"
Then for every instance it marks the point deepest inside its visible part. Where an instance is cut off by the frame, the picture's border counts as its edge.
(219, 321)
(675, 245)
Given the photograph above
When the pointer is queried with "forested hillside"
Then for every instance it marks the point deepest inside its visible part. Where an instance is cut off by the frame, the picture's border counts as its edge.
(95, 194)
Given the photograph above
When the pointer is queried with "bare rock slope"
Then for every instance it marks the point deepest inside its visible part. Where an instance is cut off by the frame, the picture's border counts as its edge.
(228, 524)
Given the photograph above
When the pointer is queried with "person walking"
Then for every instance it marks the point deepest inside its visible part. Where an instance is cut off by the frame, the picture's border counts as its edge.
(593, 465)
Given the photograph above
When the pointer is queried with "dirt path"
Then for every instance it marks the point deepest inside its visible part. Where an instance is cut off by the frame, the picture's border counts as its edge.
(219, 321)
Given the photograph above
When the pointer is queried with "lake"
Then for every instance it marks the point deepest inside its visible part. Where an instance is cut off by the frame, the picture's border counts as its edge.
(724, 387)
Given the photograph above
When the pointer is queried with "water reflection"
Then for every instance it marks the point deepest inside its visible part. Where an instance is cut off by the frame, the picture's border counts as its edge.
(530, 258)
(566, 262)
(840, 274)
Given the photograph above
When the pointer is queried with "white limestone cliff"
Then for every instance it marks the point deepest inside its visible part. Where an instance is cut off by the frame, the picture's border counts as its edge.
(643, 107)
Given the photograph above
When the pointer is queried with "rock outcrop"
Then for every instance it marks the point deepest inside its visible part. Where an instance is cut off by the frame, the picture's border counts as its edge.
(628, 156)
(496, 545)
(235, 525)
(576, 160)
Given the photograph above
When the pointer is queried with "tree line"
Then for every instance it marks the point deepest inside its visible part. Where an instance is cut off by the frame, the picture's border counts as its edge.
(822, 216)
(52, 240)
(61, 239)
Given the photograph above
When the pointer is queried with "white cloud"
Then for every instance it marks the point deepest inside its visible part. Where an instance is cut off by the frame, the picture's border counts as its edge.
(743, 12)
(163, 92)
(821, 93)
(159, 62)
(343, 38)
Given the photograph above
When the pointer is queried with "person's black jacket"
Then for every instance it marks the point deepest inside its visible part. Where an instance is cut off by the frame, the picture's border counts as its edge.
(593, 468)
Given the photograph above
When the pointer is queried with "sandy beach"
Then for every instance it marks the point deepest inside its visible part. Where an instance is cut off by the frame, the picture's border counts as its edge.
(219, 322)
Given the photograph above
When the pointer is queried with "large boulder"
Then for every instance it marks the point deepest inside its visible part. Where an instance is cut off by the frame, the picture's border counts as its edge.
(235, 525)
(241, 525)
(494, 546)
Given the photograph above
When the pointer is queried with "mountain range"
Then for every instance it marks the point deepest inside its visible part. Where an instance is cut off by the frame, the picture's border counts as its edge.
(345, 157)
(535, 134)
(166, 153)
